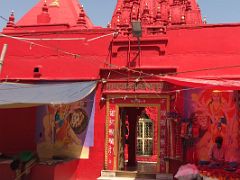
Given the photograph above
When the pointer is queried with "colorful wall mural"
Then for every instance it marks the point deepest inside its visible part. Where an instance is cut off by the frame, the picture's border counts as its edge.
(208, 114)
(66, 130)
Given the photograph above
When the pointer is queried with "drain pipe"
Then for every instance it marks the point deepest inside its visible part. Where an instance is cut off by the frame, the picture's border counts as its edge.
(4, 50)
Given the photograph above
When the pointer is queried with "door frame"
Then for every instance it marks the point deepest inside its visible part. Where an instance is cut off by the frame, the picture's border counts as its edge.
(120, 104)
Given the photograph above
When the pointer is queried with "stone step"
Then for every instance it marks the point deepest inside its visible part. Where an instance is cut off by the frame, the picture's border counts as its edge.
(108, 173)
(122, 178)
(133, 175)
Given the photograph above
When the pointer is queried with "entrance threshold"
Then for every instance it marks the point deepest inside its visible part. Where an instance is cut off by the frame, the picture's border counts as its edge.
(132, 175)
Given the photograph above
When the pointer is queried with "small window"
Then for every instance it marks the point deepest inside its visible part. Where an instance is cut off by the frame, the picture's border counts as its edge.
(145, 137)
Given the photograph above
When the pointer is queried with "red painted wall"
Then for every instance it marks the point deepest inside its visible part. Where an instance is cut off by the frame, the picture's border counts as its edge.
(66, 171)
(6, 173)
(17, 130)
(54, 64)
(184, 49)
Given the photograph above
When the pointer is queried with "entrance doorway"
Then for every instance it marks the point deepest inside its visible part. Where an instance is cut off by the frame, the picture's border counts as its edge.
(136, 133)
(137, 139)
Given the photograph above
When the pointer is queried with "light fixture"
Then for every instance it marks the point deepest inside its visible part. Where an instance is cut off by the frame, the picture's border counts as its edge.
(103, 80)
(137, 80)
(137, 32)
(216, 91)
(136, 29)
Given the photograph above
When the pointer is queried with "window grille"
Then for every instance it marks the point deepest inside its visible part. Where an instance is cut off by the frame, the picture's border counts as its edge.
(145, 137)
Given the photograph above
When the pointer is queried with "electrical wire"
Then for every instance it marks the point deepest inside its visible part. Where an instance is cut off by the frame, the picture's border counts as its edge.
(58, 39)
(4, 18)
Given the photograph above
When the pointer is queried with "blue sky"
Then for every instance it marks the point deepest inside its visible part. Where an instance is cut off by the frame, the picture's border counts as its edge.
(100, 11)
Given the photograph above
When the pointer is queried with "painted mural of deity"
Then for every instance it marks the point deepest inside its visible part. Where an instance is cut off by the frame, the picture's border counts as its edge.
(215, 114)
(71, 124)
(64, 130)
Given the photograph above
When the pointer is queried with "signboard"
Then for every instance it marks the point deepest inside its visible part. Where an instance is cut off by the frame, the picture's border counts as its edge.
(111, 136)
(135, 86)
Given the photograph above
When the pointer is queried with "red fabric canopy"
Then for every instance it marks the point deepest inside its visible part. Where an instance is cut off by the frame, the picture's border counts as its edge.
(221, 84)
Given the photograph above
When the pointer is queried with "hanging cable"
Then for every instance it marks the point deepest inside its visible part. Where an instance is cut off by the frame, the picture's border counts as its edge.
(4, 18)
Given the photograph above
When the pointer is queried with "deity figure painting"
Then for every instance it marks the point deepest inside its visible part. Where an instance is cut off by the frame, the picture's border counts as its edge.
(69, 123)
(64, 130)
(78, 121)
(215, 113)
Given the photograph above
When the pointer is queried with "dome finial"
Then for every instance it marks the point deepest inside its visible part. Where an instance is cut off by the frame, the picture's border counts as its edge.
(82, 17)
(44, 17)
(45, 8)
(11, 20)
(204, 20)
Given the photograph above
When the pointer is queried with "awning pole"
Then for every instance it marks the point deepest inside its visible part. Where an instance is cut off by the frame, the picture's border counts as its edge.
(4, 50)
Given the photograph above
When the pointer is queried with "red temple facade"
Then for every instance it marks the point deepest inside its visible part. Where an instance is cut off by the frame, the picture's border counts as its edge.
(161, 84)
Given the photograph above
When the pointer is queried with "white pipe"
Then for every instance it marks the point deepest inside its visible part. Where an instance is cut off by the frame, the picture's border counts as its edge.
(42, 39)
(4, 50)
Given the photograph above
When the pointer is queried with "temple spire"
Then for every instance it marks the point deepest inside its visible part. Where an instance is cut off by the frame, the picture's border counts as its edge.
(59, 12)
(156, 13)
